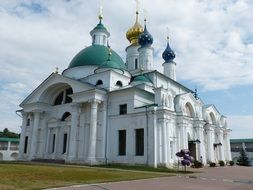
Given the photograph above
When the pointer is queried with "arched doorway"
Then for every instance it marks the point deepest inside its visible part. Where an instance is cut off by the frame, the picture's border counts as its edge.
(192, 146)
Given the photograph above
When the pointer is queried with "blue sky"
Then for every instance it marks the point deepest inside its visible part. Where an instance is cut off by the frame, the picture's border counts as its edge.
(213, 41)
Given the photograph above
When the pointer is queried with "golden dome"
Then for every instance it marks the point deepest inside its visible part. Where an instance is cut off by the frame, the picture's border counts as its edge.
(134, 32)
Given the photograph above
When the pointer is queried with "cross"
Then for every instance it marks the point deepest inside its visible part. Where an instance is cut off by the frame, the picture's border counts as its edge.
(56, 70)
(137, 5)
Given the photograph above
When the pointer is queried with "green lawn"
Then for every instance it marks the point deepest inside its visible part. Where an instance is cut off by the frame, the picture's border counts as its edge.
(37, 176)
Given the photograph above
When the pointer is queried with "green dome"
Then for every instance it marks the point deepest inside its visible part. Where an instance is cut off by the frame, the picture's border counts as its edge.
(141, 78)
(96, 55)
(110, 64)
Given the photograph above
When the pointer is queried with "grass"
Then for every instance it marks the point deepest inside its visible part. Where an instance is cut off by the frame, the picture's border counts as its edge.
(17, 176)
(145, 168)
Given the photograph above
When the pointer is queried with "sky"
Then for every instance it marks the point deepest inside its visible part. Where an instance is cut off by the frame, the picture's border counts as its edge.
(213, 42)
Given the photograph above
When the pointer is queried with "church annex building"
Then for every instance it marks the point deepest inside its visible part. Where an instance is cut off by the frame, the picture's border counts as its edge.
(104, 110)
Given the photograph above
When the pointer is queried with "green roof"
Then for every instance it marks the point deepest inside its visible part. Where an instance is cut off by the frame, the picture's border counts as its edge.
(96, 55)
(100, 26)
(3, 139)
(141, 78)
(241, 140)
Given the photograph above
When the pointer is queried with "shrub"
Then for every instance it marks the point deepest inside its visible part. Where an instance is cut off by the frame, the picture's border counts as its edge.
(197, 164)
(221, 163)
(212, 164)
(231, 163)
(243, 160)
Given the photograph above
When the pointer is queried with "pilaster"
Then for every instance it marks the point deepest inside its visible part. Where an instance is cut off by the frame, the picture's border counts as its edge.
(75, 114)
(22, 136)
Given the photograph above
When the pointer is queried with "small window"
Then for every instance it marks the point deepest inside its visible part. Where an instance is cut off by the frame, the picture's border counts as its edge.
(122, 142)
(53, 144)
(99, 82)
(139, 142)
(104, 38)
(65, 138)
(28, 122)
(136, 63)
(123, 109)
(119, 83)
(26, 145)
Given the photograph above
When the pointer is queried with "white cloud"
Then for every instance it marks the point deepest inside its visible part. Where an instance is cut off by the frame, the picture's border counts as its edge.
(212, 39)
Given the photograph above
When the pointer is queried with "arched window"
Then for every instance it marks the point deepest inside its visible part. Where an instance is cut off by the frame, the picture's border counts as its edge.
(69, 91)
(99, 82)
(63, 97)
(65, 116)
(119, 83)
(189, 110)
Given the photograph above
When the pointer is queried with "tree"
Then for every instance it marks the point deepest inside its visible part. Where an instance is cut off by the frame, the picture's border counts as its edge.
(243, 160)
(8, 134)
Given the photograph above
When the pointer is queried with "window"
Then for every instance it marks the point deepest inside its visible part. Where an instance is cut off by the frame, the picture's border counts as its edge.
(93, 39)
(69, 91)
(123, 109)
(65, 138)
(59, 99)
(63, 97)
(28, 122)
(99, 82)
(122, 142)
(119, 83)
(136, 63)
(53, 145)
(65, 116)
(26, 144)
(139, 142)
(104, 39)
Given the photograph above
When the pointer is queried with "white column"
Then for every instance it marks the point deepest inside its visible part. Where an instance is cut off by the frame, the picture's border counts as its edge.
(210, 141)
(221, 148)
(183, 138)
(73, 132)
(168, 142)
(153, 160)
(43, 136)
(104, 122)
(228, 152)
(34, 135)
(22, 136)
(164, 141)
(48, 143)
(200, 146)
(93, 133)
(56, 147)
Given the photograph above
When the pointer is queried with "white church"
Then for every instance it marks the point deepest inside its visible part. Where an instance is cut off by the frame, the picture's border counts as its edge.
(102, 110)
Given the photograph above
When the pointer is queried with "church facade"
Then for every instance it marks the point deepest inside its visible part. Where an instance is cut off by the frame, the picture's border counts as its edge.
(104, 110)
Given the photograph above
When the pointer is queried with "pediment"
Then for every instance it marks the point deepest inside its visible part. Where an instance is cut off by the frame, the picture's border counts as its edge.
(54, 83)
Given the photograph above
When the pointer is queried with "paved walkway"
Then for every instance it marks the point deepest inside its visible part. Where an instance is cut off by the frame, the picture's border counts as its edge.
(221, 178)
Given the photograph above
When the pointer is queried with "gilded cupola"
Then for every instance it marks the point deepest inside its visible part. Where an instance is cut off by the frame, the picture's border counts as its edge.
(134, 32)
